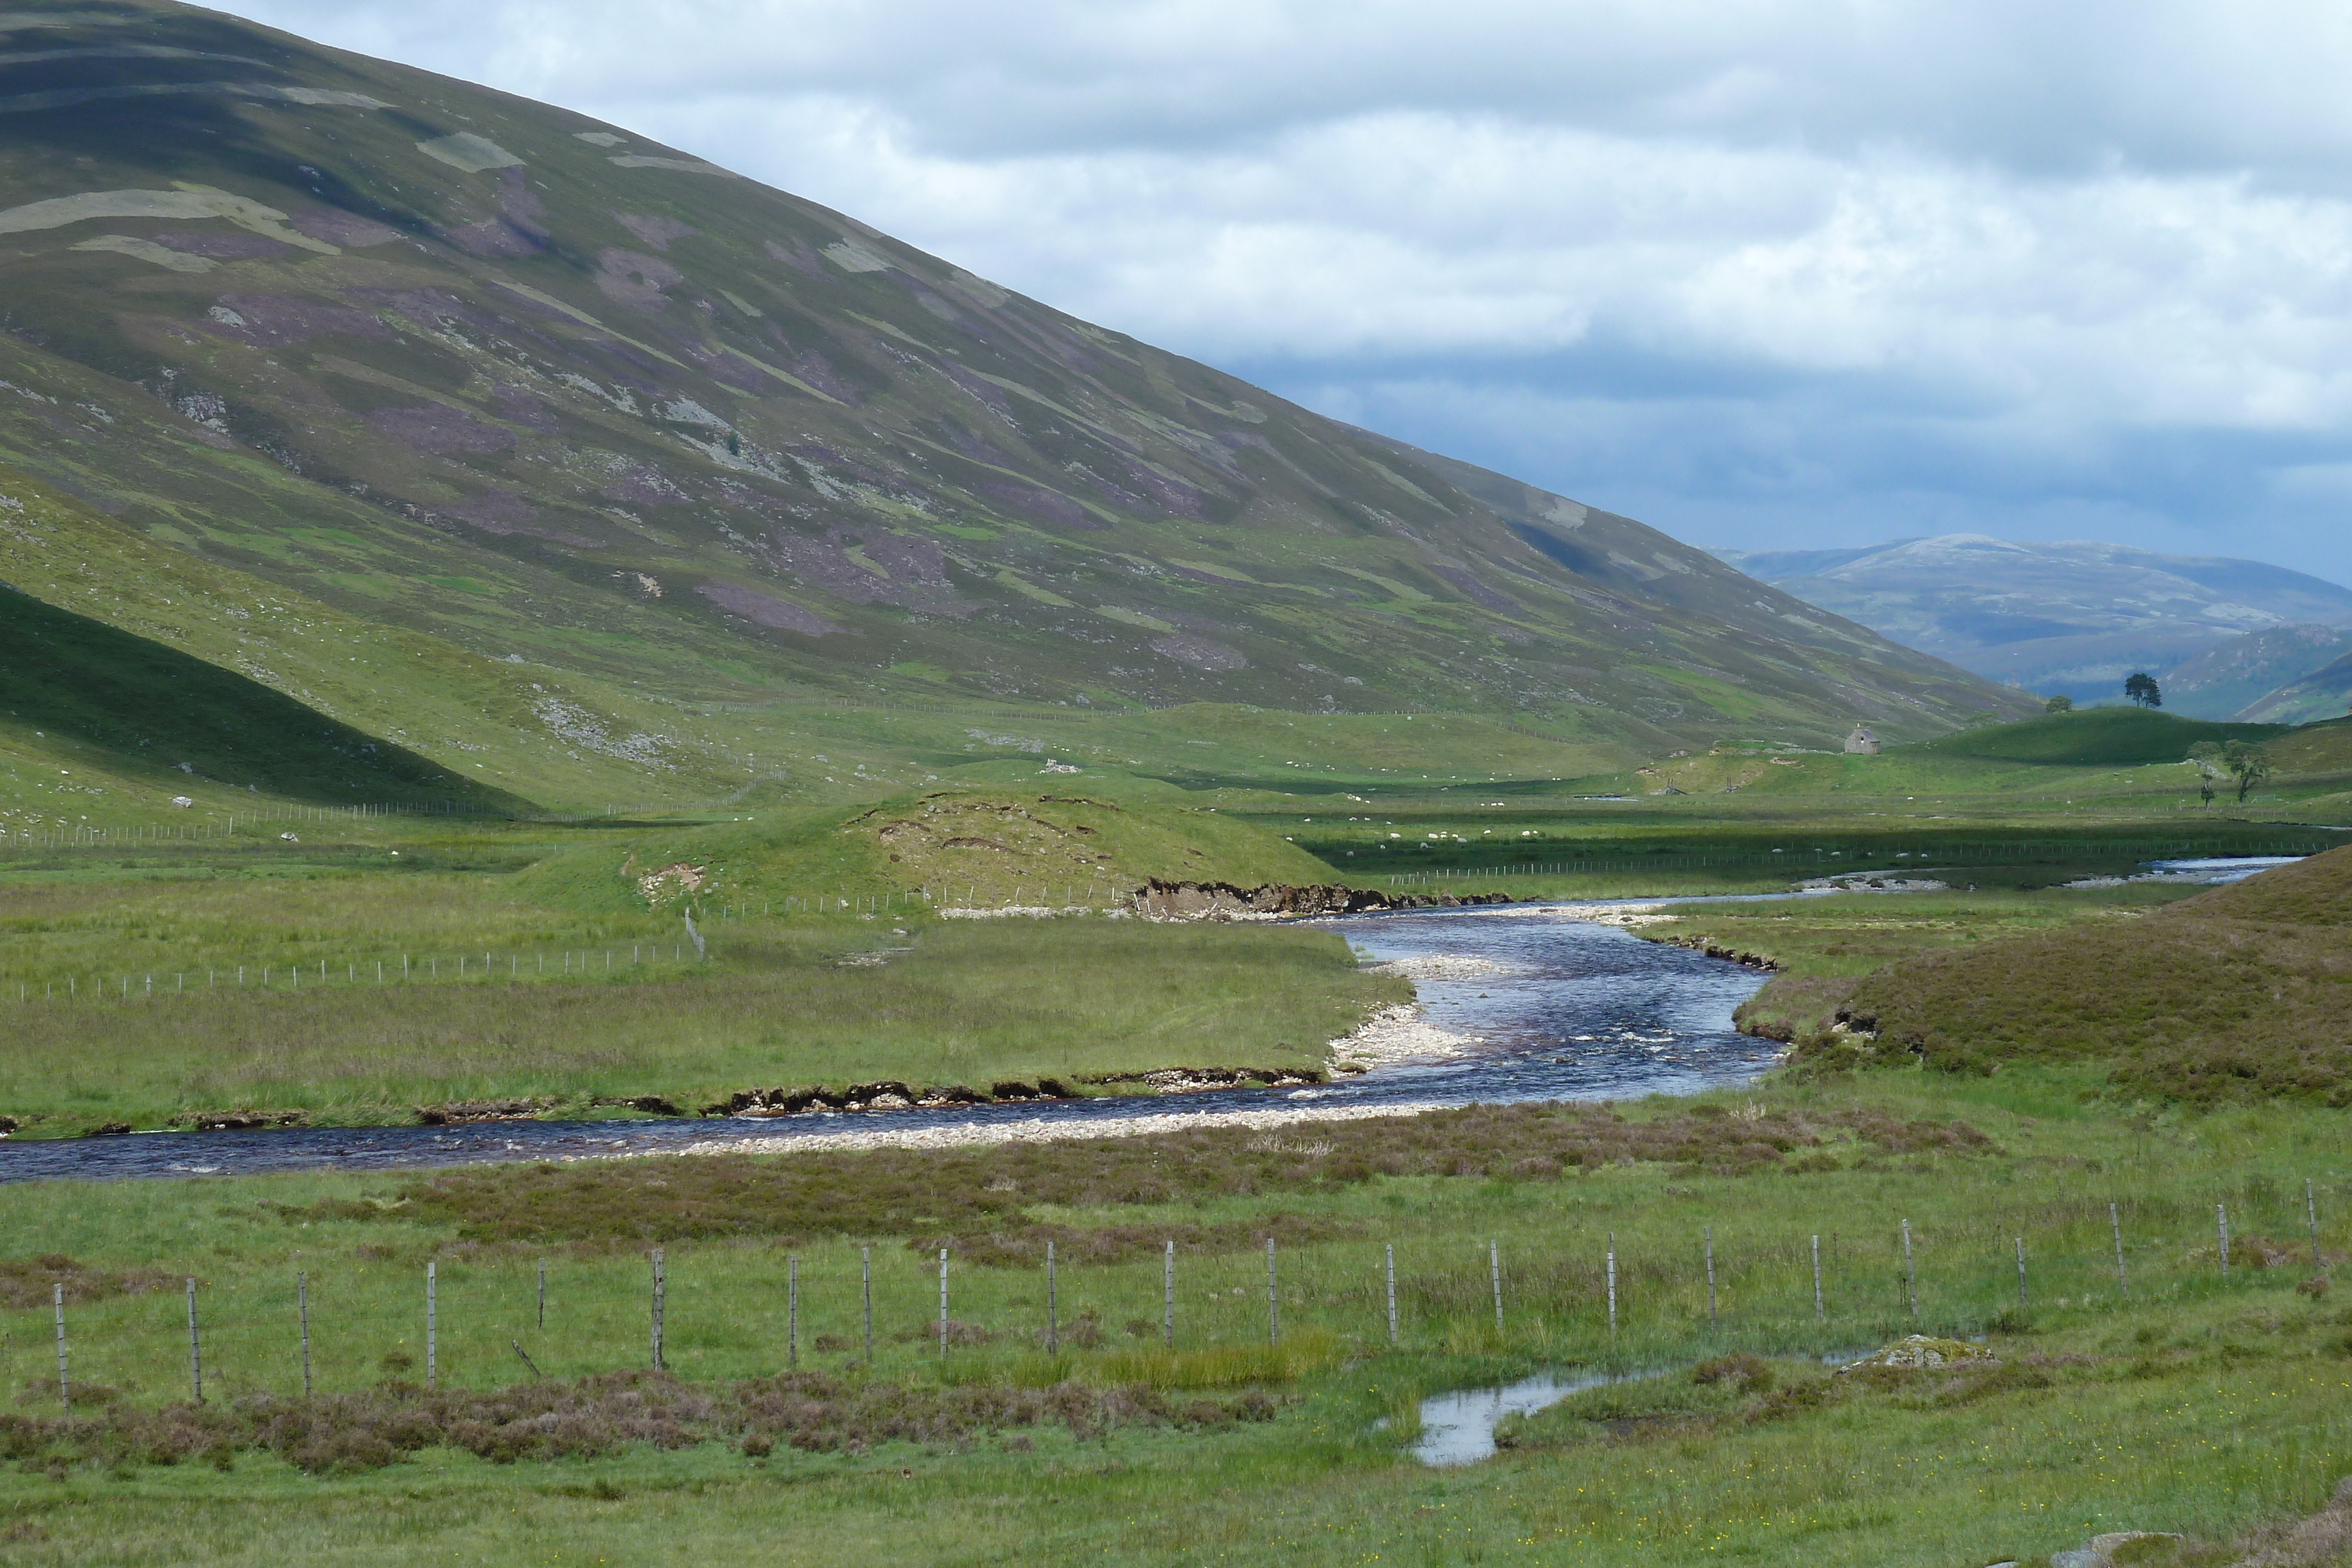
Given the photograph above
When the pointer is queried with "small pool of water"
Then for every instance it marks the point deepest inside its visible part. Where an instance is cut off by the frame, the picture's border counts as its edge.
(1458, 1428)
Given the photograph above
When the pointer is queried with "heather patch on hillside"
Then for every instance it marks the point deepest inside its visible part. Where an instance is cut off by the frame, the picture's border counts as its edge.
(2234, 993)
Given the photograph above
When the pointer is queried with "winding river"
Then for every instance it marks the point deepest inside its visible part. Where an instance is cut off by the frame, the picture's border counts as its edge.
(1536, 1002)
(1541, 1006)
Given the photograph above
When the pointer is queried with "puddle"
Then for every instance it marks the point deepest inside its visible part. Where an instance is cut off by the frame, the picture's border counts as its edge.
(1458, 1428)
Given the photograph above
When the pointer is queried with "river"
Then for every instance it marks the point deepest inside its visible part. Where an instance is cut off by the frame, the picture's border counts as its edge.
(1541, 1004)
(1565, 1011)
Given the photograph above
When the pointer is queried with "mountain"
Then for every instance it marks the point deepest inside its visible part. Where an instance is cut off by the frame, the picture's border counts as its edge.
(2325, 693)
(2246, 674)
(2074, 618)
(613, 440)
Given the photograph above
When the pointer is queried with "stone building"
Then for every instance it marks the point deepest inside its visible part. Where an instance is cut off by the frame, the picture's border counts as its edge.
(1861, 742)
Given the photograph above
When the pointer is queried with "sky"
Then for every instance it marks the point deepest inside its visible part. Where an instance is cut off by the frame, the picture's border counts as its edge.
(1766, 274)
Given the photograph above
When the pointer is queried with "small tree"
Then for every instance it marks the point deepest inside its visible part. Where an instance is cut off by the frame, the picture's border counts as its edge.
(2062, 703)
(2246, 765)
(2140, 687)
(2204, 791)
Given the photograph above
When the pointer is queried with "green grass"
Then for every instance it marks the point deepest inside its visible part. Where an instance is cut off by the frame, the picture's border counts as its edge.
(949, 1003)
(2189, 1402)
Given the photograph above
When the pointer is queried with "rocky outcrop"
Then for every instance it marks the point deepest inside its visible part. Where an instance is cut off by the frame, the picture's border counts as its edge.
(457, 1112)
(1159, 900)
(1192, 1079)
(888, 1094)
(236, 1120)
(1728, 955)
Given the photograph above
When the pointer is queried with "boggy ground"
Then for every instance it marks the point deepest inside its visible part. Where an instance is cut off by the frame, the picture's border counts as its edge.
(2180, 1400)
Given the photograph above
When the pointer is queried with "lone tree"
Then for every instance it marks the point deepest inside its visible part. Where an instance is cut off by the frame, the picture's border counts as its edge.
(2140, 686)
(2062, 703)
(2240, 761)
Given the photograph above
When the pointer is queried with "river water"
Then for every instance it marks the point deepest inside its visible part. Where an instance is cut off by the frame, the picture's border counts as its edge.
(1576, 1011)
(1545, 1006)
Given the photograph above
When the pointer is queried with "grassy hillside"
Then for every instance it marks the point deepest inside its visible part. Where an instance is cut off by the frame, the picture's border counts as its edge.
(2239, 992)
(484, 372)
(154, 711)
(2092, 737)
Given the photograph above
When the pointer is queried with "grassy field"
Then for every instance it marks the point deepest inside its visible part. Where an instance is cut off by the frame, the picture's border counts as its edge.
(331, 987)
(2184, 1400)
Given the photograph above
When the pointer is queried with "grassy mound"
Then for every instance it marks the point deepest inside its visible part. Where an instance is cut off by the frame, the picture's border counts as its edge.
(985, 846)
(2096, 737)
(2232, 994)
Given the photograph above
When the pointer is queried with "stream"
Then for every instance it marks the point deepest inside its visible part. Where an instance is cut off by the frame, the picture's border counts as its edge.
(1541, 1005)
(1568, 1011)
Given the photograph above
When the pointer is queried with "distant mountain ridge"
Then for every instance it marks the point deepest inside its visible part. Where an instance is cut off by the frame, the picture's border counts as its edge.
(2247, 676)
(2072, 617)
(448, 361)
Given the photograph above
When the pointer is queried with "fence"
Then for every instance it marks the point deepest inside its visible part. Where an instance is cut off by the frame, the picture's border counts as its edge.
(482, 1318)
(1996, 852)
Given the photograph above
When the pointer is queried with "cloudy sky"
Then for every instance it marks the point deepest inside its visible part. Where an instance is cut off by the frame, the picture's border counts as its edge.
(1766, 273)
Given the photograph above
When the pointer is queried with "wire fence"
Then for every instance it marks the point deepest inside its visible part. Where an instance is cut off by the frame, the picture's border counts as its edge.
(1992, 853)
(482, 1318)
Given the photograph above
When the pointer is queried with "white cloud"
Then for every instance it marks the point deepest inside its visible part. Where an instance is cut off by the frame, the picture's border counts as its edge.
(1827, 269)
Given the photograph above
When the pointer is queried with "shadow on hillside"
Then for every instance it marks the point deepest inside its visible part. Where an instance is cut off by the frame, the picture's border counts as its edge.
(157, 711)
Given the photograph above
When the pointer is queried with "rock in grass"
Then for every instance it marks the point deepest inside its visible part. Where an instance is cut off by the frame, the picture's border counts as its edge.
(1923, 1350)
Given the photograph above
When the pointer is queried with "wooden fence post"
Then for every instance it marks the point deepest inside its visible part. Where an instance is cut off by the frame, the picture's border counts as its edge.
(1494, 1272)
(1053, 1325)
(660, 1290)
(1273, 1309)
(196, 1350)
(432, 1363)
(793, 1313)
(1910, 1273)
(1709, 1232)
(2021, 1275)
(2221, 1221)
(1167, 1297)
(1819, 1316)
(943, 1304)
(1390, 1249)
(2115, 1224)
(2311, 1213)
(1612, 1282)
(865, 1284)
(302, 1318)
(542, 1293)
(65, 1389)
